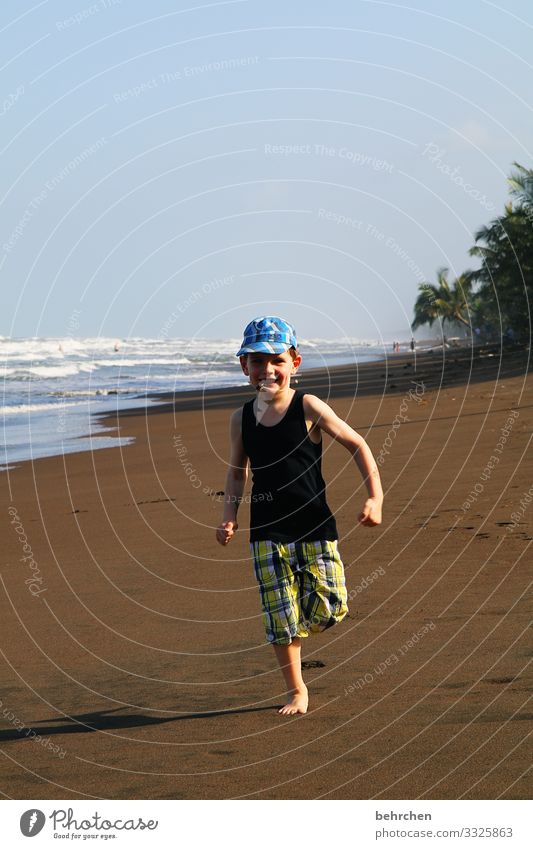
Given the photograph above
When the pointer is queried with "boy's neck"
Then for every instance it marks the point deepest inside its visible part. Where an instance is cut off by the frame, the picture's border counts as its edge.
(279, 401)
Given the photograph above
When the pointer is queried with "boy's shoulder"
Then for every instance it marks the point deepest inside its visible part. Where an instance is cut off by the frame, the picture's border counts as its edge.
(308, 398)
(236, 416)
(313, 404)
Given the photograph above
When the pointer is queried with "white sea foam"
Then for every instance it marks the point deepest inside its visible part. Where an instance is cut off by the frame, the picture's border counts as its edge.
(143, 362)
(49, 371)
(90, 393)
(17, 409)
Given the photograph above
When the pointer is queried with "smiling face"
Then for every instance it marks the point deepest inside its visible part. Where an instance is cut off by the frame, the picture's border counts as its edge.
(270, 373)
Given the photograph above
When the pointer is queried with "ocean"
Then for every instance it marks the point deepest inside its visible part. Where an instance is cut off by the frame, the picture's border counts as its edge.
(56, 389)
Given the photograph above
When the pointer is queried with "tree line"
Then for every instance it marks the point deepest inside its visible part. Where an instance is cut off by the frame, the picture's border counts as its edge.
(492, 301)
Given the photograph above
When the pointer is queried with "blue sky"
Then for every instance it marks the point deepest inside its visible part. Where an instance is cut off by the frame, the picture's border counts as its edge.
(225, 160)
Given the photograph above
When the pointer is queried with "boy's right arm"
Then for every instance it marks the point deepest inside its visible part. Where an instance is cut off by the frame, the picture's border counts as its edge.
(236, 478)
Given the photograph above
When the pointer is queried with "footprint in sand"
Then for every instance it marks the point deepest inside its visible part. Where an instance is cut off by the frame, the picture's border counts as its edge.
(312, 664)
(505, 680)
(155, 501)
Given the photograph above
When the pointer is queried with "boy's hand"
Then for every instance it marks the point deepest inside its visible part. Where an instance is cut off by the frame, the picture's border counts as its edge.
(225, 532)
(371, 513)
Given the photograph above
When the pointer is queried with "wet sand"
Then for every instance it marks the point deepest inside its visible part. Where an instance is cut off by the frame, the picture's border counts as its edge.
(132, 643)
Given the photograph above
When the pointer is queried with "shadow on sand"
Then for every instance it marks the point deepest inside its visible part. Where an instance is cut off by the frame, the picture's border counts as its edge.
(101, 720)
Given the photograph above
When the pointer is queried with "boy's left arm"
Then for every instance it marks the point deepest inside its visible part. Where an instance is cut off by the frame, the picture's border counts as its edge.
(327, 420)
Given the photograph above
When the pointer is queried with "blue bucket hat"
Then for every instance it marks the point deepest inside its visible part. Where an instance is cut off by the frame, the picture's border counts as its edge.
(267, 334)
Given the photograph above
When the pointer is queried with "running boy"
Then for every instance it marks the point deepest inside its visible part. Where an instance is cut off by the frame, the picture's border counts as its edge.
(293, 534)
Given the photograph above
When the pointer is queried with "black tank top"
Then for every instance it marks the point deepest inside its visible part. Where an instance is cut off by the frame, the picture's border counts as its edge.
(288, 501)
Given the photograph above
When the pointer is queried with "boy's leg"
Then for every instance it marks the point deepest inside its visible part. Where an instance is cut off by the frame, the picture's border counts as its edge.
(290, 659)
(282, 615)
(323, 592)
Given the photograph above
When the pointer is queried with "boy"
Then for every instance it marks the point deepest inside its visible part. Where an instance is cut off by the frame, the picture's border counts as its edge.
(293, 534)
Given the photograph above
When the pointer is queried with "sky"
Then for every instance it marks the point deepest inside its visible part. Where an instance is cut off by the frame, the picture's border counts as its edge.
(193, 165)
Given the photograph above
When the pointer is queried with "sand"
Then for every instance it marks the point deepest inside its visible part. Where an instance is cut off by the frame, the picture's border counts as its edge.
(134, 663)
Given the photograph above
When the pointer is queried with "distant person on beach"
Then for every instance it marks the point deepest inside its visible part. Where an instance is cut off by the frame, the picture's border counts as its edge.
(293, 534)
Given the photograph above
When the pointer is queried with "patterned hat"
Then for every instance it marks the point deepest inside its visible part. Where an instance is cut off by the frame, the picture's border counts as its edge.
(267, 334)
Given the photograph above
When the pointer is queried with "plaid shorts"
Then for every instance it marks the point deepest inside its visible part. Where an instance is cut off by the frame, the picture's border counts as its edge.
(302, 587)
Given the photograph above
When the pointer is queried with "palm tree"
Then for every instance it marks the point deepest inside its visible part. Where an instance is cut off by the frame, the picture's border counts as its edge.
(505, 278)
(521, 186)
(497, 298)
(444, 302)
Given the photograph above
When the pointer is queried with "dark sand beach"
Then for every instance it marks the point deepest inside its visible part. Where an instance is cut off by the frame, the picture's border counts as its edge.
(138, 654)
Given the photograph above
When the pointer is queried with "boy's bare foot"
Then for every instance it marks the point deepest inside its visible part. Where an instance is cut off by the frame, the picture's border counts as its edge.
(298, 703)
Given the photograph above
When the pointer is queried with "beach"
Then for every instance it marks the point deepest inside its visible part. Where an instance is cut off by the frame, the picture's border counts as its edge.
(134, 660)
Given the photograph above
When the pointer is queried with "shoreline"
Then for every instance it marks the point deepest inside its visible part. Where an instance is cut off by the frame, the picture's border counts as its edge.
(393, 373)
(389, 375)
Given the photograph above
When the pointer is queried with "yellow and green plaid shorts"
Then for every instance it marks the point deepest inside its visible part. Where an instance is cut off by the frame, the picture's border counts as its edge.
(302, 587)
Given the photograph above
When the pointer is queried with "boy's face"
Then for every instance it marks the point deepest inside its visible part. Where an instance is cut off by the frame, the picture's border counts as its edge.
(275, 369)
